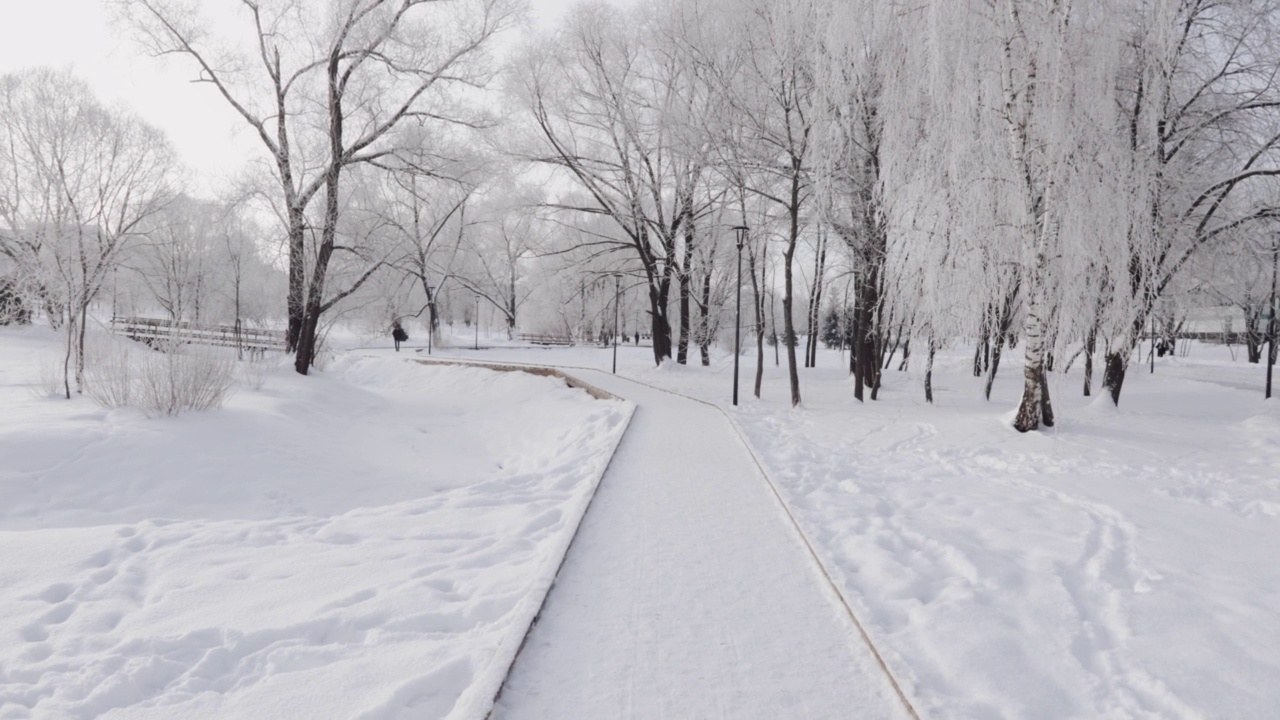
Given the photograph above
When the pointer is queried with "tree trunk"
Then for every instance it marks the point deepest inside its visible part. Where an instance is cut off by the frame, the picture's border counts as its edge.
(704, 322)
(1000, 332)
(1090, 346)
(1117, 363)
(857, 351)
(983, 340)
(757, 303)
(682, 349)
(788, 297)
(66, 357)
(297, 277)
(928, 371)
(815, 302)
(80, 331)
(306, 352)
(1254, 336)
(1035, 409)
(660, 326)
(868, 333)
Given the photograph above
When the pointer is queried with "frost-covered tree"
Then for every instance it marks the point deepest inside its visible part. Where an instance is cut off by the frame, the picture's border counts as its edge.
(323, 86)
(1201, 102)
(79, 183)
(603, 105)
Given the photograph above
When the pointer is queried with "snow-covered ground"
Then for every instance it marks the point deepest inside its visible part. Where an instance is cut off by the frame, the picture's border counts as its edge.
(366, 542)
(1120, 565)
(369, 542)
(688, 594)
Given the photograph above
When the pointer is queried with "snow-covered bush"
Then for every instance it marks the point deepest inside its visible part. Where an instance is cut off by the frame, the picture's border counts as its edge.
(255, 367)
(184, 378)
(178, 378)
(49, 382)
(108, 376)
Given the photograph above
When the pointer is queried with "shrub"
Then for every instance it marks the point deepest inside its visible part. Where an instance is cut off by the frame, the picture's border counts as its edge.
(108, 376)
(181, 378)
(255, 367)
(172, 380)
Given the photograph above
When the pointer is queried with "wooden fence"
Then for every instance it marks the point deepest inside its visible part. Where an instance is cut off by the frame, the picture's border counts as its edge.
(157, 332)
(537, 339)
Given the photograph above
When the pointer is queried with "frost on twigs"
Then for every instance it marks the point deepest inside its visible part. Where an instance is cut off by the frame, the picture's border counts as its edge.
(176, 379)
(255, 367)
(108, 376)
(48, 382)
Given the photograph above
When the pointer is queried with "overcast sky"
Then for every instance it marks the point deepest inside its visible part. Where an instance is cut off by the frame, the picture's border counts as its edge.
(77, 34)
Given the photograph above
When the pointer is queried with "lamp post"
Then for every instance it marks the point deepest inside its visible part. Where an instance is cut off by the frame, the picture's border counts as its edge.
(617, 289)
(741, 231)
(1273, 322)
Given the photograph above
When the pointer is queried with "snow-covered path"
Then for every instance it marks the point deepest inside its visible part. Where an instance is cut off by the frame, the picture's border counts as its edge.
(688, 595)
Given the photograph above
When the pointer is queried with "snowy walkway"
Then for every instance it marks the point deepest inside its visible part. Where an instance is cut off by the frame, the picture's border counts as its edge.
(688, 595)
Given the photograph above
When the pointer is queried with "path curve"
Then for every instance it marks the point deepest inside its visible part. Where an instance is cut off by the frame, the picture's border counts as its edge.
(687, 594)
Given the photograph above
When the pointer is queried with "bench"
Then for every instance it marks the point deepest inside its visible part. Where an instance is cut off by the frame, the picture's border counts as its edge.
(542, 339)
(157, 332)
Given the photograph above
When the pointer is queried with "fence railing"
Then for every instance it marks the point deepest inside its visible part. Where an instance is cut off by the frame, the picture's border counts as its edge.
(156, 332)
(542, 339)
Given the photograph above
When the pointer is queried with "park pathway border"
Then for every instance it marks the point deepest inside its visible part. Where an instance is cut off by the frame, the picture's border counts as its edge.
(483, 698)
(833, 587)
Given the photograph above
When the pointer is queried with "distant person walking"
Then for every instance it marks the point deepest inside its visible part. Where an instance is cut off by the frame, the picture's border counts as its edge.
(398, 334)
(637, 337)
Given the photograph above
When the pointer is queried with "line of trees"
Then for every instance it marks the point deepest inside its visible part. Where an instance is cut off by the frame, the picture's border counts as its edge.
(1054, 172)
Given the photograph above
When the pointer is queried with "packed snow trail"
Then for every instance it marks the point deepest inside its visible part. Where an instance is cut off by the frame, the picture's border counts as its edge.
(687, 594)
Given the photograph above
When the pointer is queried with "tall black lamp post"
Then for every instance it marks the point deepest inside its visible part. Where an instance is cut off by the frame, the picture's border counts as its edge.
(741, 231)
(617, 289)
(1273, 322)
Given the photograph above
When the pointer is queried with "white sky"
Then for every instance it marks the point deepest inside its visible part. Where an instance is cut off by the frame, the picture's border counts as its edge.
(76, 33)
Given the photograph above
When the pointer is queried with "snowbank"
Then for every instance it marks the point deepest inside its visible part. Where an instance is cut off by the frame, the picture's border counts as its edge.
(1119, 565)
(368, 542)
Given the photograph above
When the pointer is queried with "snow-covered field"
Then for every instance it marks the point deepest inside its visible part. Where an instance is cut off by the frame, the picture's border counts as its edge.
(369, 542)
(1122, 564)
(372, 541)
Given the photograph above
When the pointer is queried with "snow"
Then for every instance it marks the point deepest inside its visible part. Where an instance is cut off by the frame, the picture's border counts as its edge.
(687, 593)
(369, 542)
(1120, 565)
(373, 542)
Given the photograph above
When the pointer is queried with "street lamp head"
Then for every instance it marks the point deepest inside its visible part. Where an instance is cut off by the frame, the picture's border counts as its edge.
(741, 231)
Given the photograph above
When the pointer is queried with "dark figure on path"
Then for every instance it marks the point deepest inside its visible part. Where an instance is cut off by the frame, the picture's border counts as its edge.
(637, 337)
(398, 334)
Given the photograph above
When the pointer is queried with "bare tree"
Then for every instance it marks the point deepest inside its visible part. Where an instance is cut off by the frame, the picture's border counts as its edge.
(775, 92)
(506, 240)
(324, 99)
(601, 105)
(82, 183)
(1201, 99)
